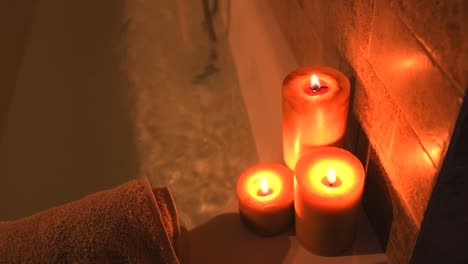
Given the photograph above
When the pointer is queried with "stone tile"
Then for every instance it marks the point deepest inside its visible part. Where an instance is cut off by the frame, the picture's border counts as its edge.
(363, 14)
(440, 27)
(373, 106)
(351, 23)
(352, 132)
(411, 169)
(407, 72)
(403, 235)
(376, 111)
(388, 213)
(328, 20)
(363, 148)
(334, 25)
(446, 217)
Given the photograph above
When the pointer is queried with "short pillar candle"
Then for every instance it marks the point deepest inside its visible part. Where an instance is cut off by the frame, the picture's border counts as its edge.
(266, 193)
(315, 110)
(328, 188)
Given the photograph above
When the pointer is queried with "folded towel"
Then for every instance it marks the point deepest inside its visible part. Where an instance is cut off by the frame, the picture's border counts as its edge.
(131, 223)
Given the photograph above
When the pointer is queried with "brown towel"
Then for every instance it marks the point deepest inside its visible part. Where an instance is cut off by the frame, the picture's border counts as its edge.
(131, 223)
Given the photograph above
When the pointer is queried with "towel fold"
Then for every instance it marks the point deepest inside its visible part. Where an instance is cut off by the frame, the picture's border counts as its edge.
(131, 223)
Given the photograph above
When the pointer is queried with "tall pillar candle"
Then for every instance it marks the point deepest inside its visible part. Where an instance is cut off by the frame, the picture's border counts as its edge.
(315, 110)
(328, 188)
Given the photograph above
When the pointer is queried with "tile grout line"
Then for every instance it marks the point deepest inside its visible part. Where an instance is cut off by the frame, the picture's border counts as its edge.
(394, 182)
(399, 112)
(369, 41)
(393, 134)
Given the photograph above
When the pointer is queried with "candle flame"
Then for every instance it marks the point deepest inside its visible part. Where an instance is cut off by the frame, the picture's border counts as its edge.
(264, 186)
(314, 82)
(331, 176)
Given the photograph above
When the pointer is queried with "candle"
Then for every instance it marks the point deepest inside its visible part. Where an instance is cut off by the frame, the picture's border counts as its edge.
(265, 193)
(328, 187)
(315, 109)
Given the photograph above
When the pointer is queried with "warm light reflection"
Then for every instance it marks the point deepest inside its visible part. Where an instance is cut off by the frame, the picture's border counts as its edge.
(331, 176)
(264, 186)
(297, 149)
(411, 62)
(322, 193)
(314, 82)
(408, 63)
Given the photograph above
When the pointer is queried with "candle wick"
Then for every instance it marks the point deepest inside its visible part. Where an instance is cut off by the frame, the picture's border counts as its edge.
(315, 87)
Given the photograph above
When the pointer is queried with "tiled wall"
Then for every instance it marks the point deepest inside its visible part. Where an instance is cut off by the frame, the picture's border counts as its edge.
(443, 231)
(408, 63)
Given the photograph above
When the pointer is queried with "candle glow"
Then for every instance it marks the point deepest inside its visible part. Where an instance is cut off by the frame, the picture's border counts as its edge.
(339, 196)
(331, 177)
(264, 186)
(314, 83)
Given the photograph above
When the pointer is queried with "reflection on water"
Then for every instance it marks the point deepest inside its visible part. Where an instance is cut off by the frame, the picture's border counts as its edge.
(192, 128)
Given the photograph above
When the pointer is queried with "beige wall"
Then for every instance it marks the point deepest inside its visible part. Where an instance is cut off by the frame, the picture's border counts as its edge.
(15, 23)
